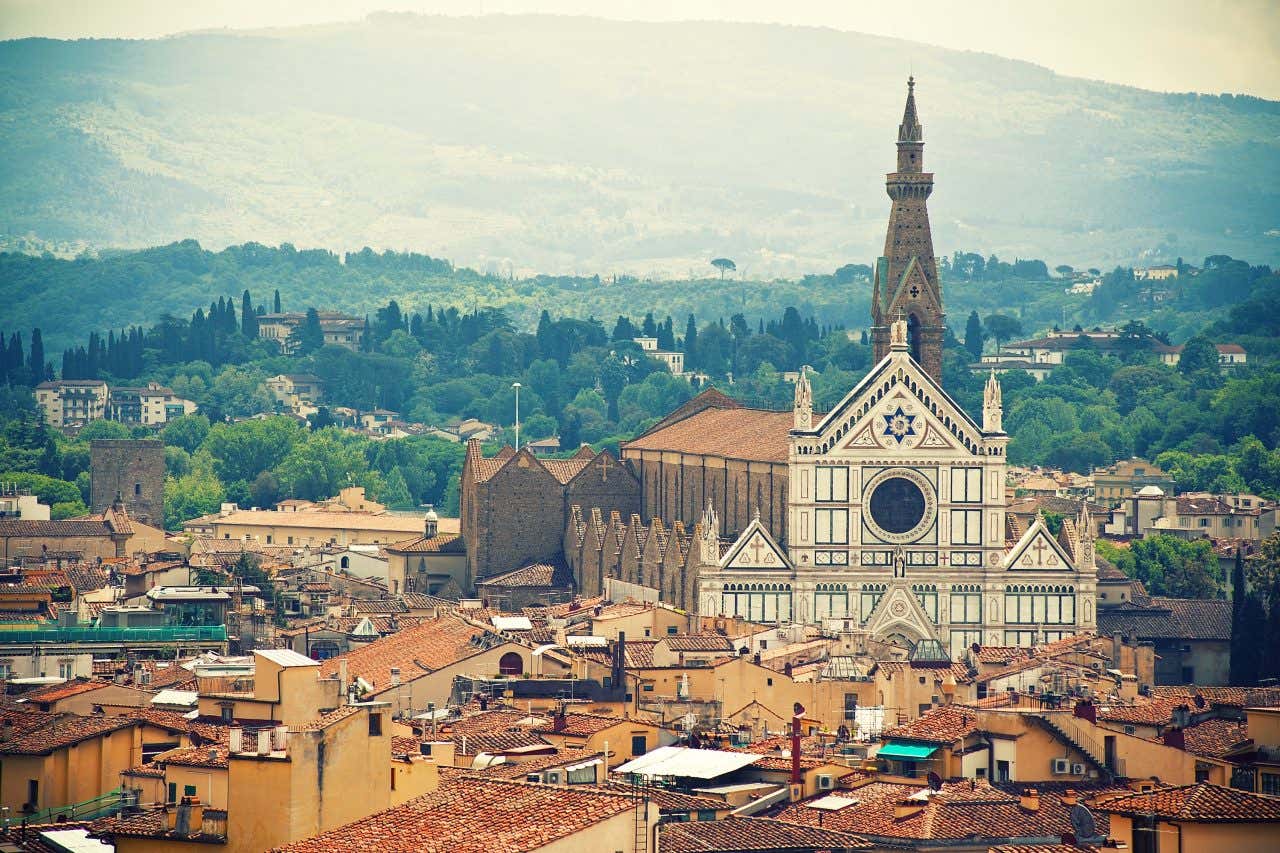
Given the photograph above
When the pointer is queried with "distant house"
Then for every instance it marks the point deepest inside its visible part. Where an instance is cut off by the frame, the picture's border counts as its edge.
(1159, 272)
(340, 330)
(1126, 477)
(293, 389)
(673, 360)
(1230, 356)
(71, 402)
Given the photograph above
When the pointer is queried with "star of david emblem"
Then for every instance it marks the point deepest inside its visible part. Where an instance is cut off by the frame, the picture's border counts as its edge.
(899, 425)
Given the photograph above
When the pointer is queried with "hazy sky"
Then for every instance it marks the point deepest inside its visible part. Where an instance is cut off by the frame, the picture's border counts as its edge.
(1167, 45)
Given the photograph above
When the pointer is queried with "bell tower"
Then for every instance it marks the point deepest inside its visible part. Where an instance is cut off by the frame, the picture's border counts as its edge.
(906, 275)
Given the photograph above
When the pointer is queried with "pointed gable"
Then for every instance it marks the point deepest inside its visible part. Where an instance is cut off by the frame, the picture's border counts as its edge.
(755, 549)
(1037, 550)
(899, 612)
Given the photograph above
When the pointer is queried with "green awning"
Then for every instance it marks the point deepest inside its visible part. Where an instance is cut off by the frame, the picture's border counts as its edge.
(906, 751)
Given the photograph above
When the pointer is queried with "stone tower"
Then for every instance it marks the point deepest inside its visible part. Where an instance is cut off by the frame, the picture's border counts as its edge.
(906, 276)
(132, 469)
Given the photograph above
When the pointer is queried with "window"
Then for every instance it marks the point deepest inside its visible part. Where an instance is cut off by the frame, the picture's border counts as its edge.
(966, 485)
(831, 601)
(966, 604)
(1188, 675)
(1271, 784)
(965, 639)
(966, 527)
(672, 630)
(639, 744)
(66, 670)
(1145, 837)
(188, 790)
(832, 484)
(137, 490)
(870, 598)
(511, 664)
(1025, 639)
(375, 725)
(228, 714)
(173, 792)
(1040, 605)
(1129, 730)
(33, 794)
(581, 775)
(832, 526)
(927, 595)
(757, 602)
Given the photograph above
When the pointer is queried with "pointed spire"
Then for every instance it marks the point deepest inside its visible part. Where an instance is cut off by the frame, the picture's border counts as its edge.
(910, 129)
(992, 405)
(802, 409)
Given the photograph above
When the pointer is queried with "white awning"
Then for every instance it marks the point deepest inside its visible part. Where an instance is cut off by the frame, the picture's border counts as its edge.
(583, 765)
(691, 763)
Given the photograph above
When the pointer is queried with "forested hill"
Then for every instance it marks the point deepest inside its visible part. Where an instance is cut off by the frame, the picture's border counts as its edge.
(564, 145)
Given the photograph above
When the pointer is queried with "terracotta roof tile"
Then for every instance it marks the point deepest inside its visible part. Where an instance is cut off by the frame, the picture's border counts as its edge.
(62, 732)
(553, 574)
(443, 543)
(752, 833)
(1215, 738)
(537, 763)
(211, 755)
(582, 725)
(470, 814)
(57, 692)
(943, 725)
(416, 650)
(1199, 803)
(698, 643)
(755, 435)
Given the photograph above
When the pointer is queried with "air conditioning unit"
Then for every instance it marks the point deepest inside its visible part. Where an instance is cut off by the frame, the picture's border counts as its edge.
(826, 782)
(551, 777)
(1077, 769)
(1060, 766)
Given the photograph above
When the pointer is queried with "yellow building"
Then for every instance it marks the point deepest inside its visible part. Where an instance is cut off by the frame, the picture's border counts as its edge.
(313, 527)
(285, 687)
(560, 819)
(1200, 818)
(66, 759)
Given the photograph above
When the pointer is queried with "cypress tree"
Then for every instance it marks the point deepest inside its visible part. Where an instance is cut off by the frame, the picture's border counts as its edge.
(37, 357)
(1239, 643)
(973, 336)
(691, 344)
(276, 302)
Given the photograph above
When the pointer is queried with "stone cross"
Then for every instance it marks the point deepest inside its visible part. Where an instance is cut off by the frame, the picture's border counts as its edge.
(1039, 548)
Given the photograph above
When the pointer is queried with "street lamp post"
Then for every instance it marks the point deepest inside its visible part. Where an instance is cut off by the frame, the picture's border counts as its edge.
(516, 386)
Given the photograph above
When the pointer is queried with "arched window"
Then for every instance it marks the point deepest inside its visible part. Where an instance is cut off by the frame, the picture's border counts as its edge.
(345, 562)
(511, 664)
(913, 336)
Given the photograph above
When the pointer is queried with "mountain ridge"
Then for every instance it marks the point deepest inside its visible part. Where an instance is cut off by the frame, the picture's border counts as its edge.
(575, 144)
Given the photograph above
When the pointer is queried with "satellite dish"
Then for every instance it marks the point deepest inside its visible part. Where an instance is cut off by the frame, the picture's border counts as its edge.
(935, 781)
(976, 648)
(1199, 700)
(1082, 822)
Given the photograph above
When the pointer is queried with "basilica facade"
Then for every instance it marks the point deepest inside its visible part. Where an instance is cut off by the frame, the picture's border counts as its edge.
(895, 522)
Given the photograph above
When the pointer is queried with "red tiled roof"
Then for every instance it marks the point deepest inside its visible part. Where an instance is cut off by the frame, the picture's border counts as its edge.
(470, 814)
(210, 755)
(1199, 803)
(533, 575)
(442, 543)
(582, 725)
(752, 833)
(698, 643)
(497, 742)
(323, 722)
(755, 435)
(416, 650)
(18, 527)
(565, 470)
(538, 763)
(943, 725)
(62, 732)
(57, 692)
(1215, 738)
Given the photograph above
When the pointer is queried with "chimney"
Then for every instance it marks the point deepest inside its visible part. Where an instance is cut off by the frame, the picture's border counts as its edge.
(343, 676)
(280, 738)
(1030, 800)
(395, 676)
(1174, 737)
(1086, 710)
(1181, 716)
(189, 817)
(620, 663)
(1070, 797)
(237, 739)
(907, 808)
(264, 741)
(559, 721)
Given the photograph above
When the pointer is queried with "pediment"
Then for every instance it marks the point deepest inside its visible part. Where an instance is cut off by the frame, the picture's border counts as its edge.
(1037, 550)
(899, 612)
(913, 277)
(755, 549)
(868, 417)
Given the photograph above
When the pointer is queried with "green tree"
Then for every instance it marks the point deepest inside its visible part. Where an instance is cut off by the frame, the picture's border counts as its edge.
(724, 265)
(240, 451)
(186, 431)
(1001, 328)
(395, 492)
(103, 428)
(973, 336)
(195, 494)
(1198, 354)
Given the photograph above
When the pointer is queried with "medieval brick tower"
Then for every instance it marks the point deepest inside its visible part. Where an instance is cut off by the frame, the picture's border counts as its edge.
(906, 276)
(131, 469)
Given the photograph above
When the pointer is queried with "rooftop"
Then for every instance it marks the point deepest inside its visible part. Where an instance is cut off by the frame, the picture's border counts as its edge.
(62, 732)
(752, 833)
(470, 814)
(415, 650)
(1199, 803)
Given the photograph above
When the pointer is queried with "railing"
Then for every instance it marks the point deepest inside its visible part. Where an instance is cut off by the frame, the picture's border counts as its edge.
(84, 634)
(1067, 725)
(100, 806)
